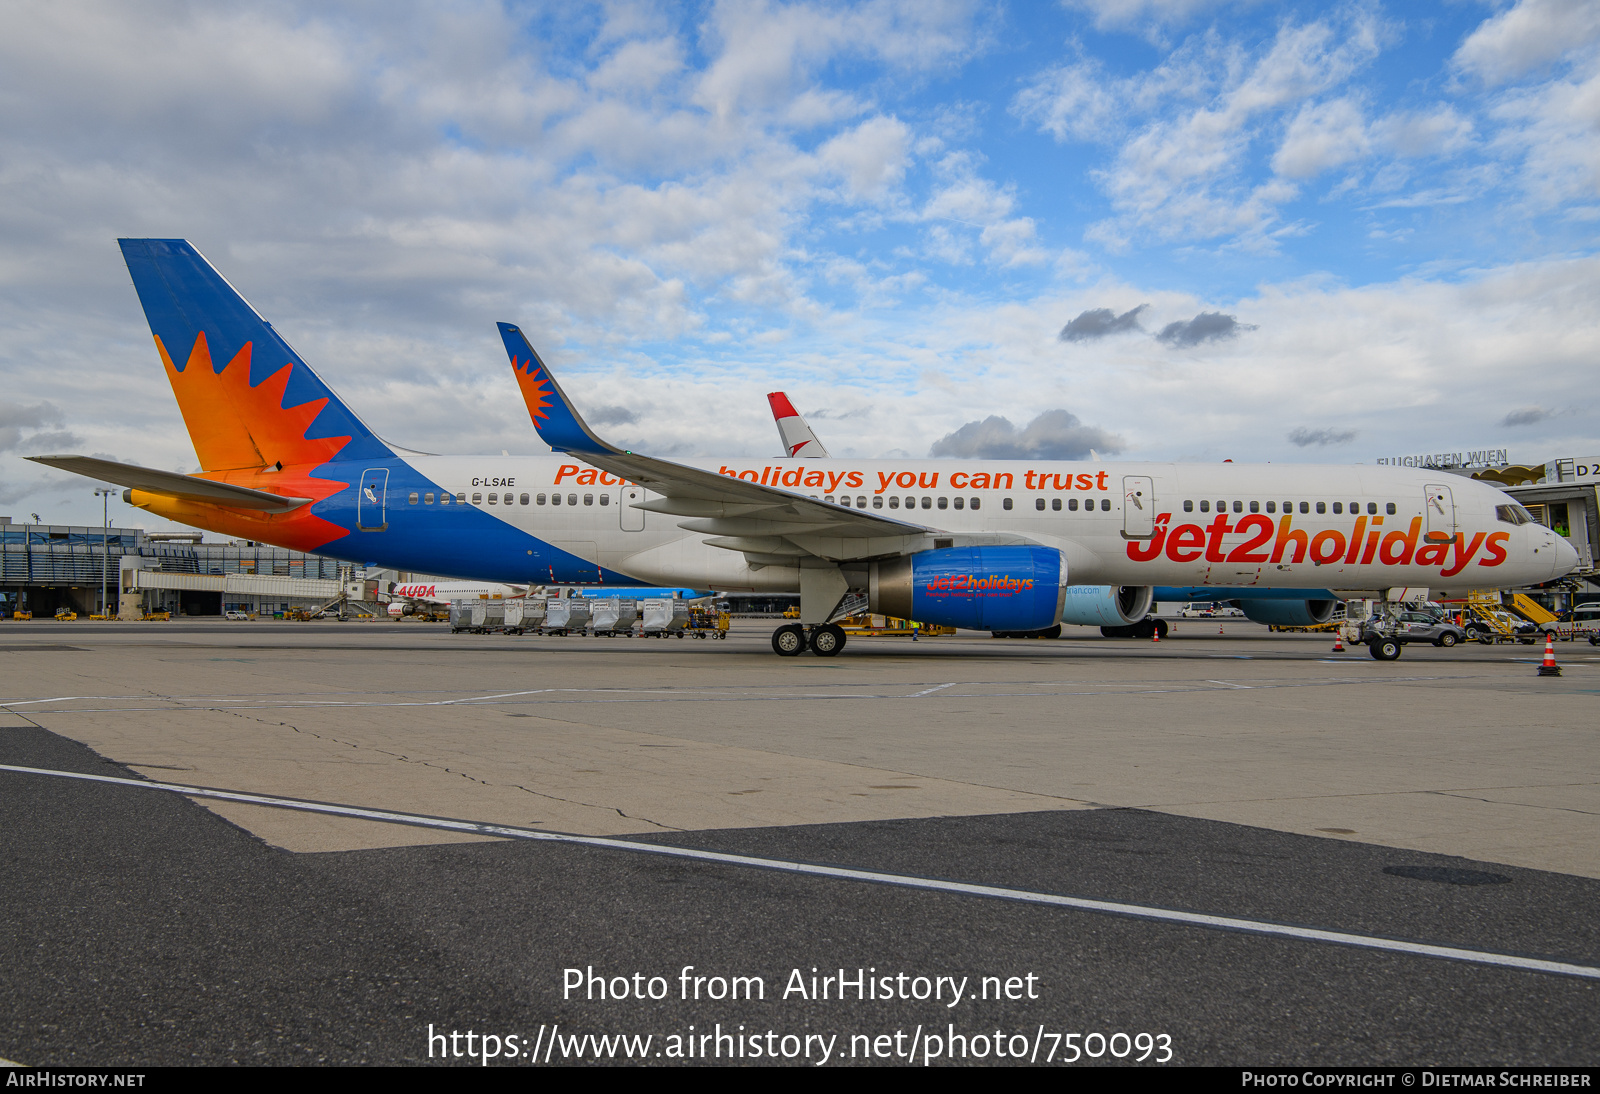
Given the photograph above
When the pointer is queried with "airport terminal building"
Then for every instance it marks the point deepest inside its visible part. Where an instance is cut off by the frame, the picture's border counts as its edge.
(45, 567)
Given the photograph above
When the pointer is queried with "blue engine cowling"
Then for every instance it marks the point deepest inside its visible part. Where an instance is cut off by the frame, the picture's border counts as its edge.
(1288, 613)
(978, 588)
(1107, 605)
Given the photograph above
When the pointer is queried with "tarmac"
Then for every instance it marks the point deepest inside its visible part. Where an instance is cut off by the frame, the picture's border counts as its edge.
(1263, 851)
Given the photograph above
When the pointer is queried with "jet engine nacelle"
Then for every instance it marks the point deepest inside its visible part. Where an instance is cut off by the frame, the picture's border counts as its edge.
(1107, 605)
(1289, 613)
(979, 588)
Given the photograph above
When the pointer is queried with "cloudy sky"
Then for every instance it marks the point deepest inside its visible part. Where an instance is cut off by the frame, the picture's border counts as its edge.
(1169, 229)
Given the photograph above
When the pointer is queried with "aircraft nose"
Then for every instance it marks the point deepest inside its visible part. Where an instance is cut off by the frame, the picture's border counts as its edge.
(1566, 558)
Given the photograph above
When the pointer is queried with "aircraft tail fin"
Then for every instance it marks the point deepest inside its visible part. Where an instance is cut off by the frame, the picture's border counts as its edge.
(798, 440)
(247, 397)
(559, 424)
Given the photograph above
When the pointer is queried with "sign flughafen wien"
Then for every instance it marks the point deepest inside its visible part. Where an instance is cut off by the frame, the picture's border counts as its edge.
(1569, 469)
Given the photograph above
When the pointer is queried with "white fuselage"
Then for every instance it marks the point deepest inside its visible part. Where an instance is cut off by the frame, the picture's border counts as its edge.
(1346, 528)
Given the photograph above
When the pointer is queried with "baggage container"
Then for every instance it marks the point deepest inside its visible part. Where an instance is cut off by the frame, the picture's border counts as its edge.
(613, 615)
(522, 614)
(566, 615)
(664, 617)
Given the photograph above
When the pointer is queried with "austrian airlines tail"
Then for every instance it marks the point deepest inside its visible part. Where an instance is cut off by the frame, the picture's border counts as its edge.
(798, 440)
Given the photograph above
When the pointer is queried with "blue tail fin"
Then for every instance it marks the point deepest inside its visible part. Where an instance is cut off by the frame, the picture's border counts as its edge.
(559, 424)
(246, 396)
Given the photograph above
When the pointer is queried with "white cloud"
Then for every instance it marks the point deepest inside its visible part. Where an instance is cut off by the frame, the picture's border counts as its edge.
(1527, 36)
(871, 158)
(1321, 136)
(1441, 131)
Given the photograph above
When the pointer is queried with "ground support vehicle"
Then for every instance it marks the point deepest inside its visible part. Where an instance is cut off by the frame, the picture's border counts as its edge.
(703, 624)
(1391, 627)
(1487, 620)
(66, 615)
(869, 625)
(476, 616)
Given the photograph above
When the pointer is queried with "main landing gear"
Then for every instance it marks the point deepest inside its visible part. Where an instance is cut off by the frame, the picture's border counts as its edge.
(791, 640)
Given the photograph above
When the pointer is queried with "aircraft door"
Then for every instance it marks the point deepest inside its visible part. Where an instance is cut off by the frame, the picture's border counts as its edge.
(1439, 514)
(372, 506)
(1138, 507)
(632, 519)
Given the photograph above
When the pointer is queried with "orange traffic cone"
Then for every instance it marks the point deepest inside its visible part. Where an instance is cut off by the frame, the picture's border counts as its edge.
(1338, 641)
(1219, 628)
(1155, 634)
(1549, 668)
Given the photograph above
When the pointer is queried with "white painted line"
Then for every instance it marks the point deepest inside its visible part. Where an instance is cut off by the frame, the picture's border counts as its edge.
(1108, 907)
(1224, 683)
(930, 691)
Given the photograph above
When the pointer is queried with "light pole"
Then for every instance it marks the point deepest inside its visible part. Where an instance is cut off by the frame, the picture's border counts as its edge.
(104, 494)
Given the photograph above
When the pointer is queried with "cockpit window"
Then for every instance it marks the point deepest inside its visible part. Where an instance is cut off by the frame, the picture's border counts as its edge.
(1513, 514)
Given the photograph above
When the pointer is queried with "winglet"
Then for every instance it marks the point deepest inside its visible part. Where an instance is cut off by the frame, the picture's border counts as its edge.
(559, 424)
(798, 440)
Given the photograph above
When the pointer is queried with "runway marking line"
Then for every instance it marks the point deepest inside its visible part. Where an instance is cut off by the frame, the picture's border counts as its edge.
(1023, 896)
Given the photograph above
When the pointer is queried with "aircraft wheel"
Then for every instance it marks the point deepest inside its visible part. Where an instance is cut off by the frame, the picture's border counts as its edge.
(1385, 649)
(827, 640)
(789, 641)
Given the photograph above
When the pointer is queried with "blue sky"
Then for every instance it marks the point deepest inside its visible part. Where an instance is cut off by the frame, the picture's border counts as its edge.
(1387, 214)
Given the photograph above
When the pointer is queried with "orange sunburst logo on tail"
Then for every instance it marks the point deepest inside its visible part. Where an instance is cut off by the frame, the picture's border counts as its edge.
(535, 390)
(234, 425)
(245, 435)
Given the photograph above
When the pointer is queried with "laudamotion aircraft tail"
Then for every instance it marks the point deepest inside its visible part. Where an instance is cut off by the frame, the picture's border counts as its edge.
(798, 440)
(261, 420)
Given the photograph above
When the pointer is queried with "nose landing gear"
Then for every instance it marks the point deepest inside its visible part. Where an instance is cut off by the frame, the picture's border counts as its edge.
(791, 640)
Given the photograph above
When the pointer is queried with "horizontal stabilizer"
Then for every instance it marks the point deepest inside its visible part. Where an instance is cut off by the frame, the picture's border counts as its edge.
(172, 484)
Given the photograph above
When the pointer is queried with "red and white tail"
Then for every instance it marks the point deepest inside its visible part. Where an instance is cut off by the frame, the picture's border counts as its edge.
(798, 440)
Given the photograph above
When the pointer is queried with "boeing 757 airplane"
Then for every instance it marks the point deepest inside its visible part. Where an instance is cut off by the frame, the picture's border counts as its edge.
(984, 544)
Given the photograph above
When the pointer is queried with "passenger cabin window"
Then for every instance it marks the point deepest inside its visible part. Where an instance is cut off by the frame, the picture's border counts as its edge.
(1255, 507)
(1105, 505)
(1372, 508)
(959, 502)
(894, 502)
(828, 498)
(1006, 504)
(1305, 507)
(1337, 508)
(555, 499)
(427, 499)
(1238, 507)
(1072, 504)
(605, 499)
(523, 500)
(975, 502)
(944, 503)
(1389, 509)
(1038, 503)
(1355, 507)
(927, 503)
(588, 499)
(1205, 507)
(1272, 507)
(411, 499)
(1322, 507)
(477, 499)
(877, 501)
(572, 499)
(1055, 503)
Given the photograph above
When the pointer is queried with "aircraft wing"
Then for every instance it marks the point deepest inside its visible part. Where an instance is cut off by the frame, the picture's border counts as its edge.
(770, 525)
(172, 484)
